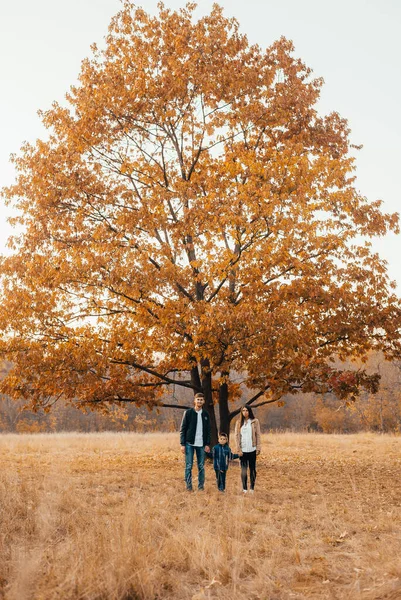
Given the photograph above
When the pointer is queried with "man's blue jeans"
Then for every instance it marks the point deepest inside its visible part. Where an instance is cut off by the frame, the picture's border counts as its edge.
(189, 461)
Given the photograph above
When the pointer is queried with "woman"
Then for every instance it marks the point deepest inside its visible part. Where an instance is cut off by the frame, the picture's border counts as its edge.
(247, 437)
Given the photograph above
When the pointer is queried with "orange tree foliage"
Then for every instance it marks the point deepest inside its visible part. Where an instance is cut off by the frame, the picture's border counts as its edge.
(191, 215)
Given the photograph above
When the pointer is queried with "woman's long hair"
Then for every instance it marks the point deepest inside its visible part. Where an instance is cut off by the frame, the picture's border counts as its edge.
(250, 412)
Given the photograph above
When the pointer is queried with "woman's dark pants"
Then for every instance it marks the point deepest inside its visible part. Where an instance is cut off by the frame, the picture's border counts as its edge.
(248, 459)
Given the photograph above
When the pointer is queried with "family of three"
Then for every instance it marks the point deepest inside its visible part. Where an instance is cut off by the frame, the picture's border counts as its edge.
(195, 439)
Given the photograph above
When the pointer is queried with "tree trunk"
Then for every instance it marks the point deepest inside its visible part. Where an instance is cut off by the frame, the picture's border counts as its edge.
(195, 379)
(224, 411)
(207, 391)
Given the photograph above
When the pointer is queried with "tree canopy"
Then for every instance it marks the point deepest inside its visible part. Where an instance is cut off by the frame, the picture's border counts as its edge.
(191, 215)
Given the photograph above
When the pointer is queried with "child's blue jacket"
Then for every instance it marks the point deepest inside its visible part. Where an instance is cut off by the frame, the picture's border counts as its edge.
(222, 456)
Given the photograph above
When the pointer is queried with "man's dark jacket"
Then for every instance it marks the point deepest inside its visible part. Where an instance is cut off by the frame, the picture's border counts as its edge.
(188, 427)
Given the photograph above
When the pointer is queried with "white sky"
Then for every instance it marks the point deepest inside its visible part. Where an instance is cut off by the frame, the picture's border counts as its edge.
(353, 44)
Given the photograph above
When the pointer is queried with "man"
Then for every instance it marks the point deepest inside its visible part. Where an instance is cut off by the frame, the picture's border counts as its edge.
(195, 437)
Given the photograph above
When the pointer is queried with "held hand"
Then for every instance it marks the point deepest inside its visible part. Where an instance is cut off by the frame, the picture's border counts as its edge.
(183, 449)
(240, 453)
(257, 452)
(207, 448)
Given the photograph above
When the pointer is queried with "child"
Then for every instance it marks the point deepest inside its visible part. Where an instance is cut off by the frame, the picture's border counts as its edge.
(221, 457)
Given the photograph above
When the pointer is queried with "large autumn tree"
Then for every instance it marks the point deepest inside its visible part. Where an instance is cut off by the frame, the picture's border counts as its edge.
(191, 216)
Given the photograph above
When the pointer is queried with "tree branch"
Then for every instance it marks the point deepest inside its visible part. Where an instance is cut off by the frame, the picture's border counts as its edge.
(154, 373)
(164, 405)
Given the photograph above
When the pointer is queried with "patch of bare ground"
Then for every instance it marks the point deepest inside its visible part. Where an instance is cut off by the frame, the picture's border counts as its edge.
(106, 516)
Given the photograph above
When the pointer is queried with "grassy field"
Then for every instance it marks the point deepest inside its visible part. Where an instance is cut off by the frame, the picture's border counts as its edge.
(106, 516)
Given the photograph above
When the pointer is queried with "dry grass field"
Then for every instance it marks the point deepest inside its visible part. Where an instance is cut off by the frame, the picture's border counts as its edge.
(105, 516)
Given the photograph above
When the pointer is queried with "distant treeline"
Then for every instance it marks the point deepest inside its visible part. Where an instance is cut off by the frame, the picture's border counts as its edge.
(302, 412)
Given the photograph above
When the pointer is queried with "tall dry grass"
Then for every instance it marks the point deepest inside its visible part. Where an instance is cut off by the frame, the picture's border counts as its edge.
(106, 516)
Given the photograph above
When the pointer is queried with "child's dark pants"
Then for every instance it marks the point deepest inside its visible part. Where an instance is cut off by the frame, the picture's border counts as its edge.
(221, 480)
